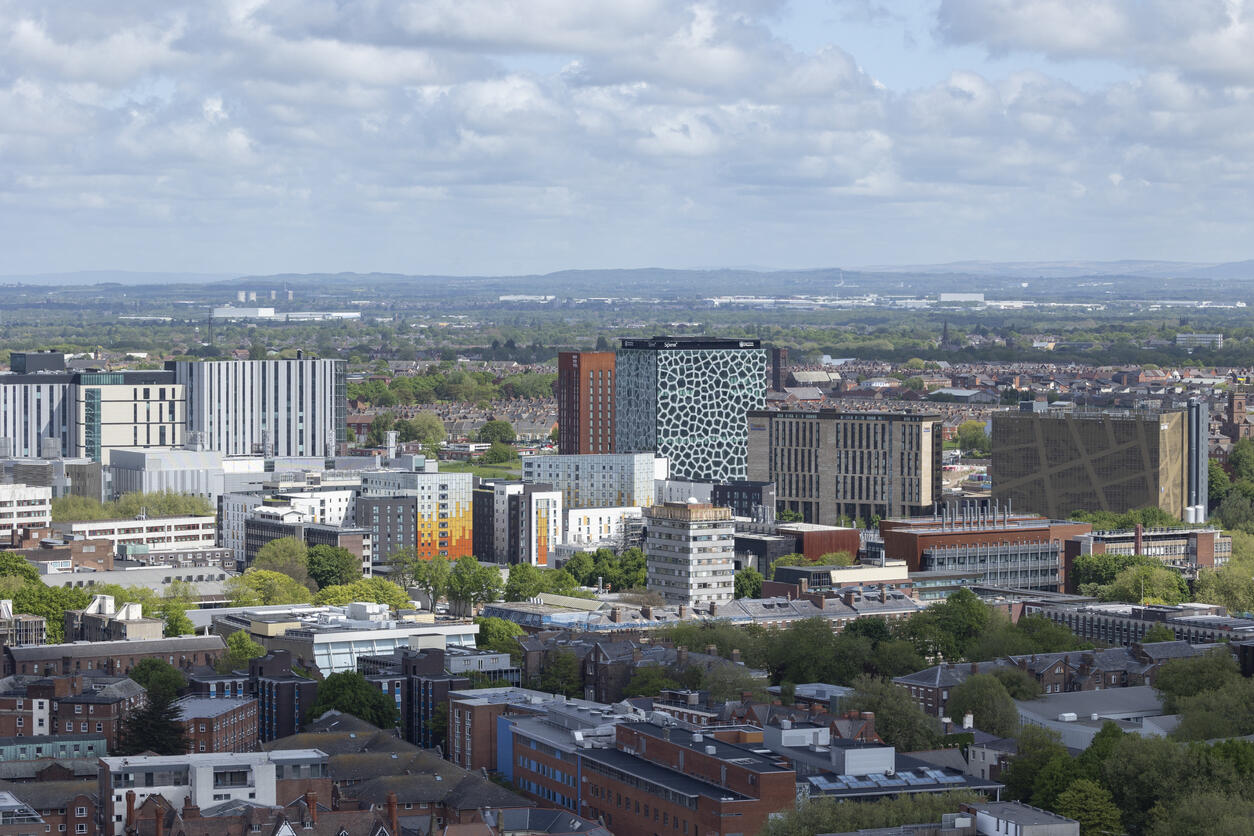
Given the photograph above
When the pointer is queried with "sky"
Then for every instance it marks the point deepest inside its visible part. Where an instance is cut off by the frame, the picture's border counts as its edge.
(511, 137)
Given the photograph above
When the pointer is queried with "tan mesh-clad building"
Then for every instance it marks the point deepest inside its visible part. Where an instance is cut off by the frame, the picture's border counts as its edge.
(828, 465)
(1057, 462)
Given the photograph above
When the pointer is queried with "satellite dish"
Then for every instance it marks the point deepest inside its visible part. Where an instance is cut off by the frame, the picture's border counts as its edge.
(692, 500)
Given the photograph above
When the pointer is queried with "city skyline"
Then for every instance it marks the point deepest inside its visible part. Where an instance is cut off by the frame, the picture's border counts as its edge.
(483, 138)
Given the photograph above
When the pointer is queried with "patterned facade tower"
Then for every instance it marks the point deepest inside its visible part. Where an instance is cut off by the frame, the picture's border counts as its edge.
(687, 398)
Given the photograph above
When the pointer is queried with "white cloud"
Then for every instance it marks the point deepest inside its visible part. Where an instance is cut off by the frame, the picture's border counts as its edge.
(454, 134)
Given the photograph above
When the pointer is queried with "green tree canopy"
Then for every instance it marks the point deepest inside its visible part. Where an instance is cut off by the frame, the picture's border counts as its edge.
(51, 602)
(648, 681)
(471, 584)
(376, 590)
(748, 583)
(240, 647)
(497, 432)
(1092, 806)
(155, 727)
(158, 677)
(985, 697)
(1037, 747)
(829, 815)
(1180, 678)
(1019, 684)
(259, 586)
(972, 438)
(1149, 584)
(898, 719)
(499, 636)
(332, 566)
(425, 428)
(288, 556)
(16, 566)
(351, 693)
(500, 453)
(1158, 633)
(176, 622)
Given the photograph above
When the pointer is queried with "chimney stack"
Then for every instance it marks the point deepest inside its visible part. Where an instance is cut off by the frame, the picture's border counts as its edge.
(311, 801)
(391, 808)
(130, 808)
(158, 821)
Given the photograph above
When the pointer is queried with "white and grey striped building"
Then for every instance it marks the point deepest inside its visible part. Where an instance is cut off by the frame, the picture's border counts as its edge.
(265, 407)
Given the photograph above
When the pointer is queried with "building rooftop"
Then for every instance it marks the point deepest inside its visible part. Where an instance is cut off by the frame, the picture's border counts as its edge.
(156, 647)
(155, 762)
(196, 708)
(1022, 814)
(1135, 699)
(670, 779)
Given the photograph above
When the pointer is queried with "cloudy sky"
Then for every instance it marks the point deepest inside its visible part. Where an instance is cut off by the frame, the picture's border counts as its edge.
(499, 136)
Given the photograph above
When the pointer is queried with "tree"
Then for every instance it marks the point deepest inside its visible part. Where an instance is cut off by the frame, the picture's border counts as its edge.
(380, 426)
(1230, 586)
(1180, 678)
(524, 583)
(155, 727)
(729, 681)
(1092, 806)
(51, 602)
(1241, 460)
(972, 438)
(500, 453)
(425, 428)
(1019, 684)
(1223, 712)
(16, 566)
(430, 577)
(499, 636)
(749, 583)
(239, 649)
(830, 815)
(1149, 584)
(158, 677)
(648, 681)
(788, 516)
(369, 590)
(559, 674)
(259, 586)
(287, 555)
(1037, 747)
(1101, 569)
(497, 431)
(898, 719)
(174, 614)
(1052, 781)
(1218, 483)
(351, 693)
(332, 566)
(985, 697)
(471, 584)
(1158, 633)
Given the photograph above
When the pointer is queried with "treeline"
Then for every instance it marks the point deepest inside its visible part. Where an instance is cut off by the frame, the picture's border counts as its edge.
(960, 629)
(451, 385)
(129, 506)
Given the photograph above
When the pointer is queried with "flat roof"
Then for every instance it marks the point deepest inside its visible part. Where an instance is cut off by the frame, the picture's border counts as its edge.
(680, 343)
(197, 708)
(1135, 698)
(1018, 812)
(134, 762)
(679, 782)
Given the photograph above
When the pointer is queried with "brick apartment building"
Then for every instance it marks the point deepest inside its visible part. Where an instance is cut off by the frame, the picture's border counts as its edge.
(224, 724)
(114, 658)
(283, 698)
(67, 807)
(70, 707)
(661, 779)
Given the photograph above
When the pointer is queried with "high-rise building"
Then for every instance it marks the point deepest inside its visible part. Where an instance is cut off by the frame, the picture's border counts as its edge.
(108, 410)
(23, 509)
(1053, 462)
(829, 465)
(266, 407)
(690, 553)
(598, 480)
(47, 411)
(585, 401)
(686, 398)
(431, 513)
(516, 522)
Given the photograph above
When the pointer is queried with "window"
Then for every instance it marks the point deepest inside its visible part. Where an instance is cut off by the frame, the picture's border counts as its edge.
(80, 812)
(80, 828)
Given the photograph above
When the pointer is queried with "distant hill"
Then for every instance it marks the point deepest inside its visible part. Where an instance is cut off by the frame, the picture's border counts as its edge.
(123, 277)
(1076, 269)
